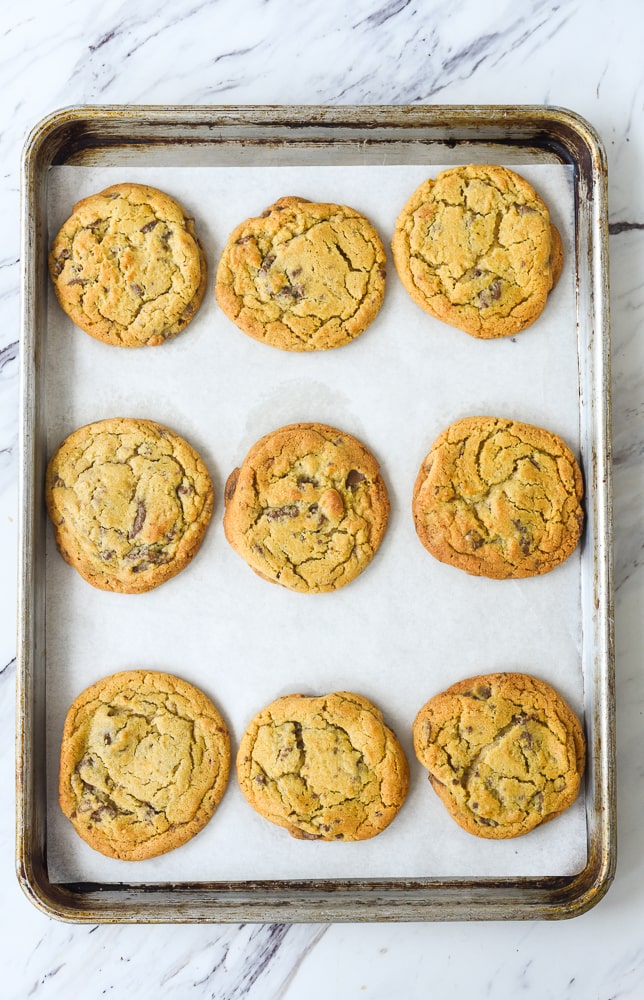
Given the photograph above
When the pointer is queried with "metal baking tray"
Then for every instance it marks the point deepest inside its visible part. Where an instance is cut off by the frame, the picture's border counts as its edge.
(230, 136)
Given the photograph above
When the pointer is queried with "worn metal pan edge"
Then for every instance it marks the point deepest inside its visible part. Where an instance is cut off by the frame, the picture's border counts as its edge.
(573, 140)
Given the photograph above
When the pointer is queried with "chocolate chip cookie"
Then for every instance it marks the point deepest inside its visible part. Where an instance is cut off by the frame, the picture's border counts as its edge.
(144, 763)
(504, 753)
(325, 768)
(307, 508)
(475, 248)
(304, 276)
(127, 266)
(130, 502)
(499, 498)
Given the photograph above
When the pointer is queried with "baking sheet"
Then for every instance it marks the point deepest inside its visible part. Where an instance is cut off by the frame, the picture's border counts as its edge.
(408, 626)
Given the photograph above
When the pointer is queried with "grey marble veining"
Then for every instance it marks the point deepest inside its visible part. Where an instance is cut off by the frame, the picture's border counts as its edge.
(583, 56)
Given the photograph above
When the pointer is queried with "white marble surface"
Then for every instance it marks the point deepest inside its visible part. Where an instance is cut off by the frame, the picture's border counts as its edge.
(585, 56)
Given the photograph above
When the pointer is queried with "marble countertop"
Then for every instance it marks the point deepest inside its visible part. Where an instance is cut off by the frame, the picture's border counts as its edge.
(586, 57)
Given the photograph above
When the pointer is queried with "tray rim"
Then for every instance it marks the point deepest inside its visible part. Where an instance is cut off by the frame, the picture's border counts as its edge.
(557, 897)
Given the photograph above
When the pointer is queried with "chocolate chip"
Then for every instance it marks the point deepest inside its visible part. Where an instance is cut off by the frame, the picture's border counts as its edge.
(139, 520)
(474, 539)
(242, 240)
(231, 484)
(77, 281)
(137, 289)
(484, 691)
(295, 292)
(59, 266)
(303, 480)
(354, 478)
(108, 810)
(149, 226)
(107, 739)
(266, 263)
(524, 537)
(279, 513)
(490, 294)
(185, 489)
(147, 556)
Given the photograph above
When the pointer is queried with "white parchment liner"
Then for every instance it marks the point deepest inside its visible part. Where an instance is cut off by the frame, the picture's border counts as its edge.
(408, 626)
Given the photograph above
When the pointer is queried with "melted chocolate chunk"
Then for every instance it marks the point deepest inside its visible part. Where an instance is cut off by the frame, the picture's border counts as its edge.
(354, 478)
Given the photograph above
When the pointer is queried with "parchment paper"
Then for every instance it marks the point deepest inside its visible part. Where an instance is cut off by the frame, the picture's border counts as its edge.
(401, 632)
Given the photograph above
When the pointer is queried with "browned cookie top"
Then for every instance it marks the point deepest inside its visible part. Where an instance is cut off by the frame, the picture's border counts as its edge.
(325, 768)
(307, 508)
(127, 266)
(304, 276)
(475, 248)
(504, 752)
(144, 762)
(130, 502)
(499, 498)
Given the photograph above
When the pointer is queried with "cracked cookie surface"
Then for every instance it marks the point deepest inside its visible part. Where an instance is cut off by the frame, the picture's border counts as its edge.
(475, 248)
(304, 276)
(127, 266)
(130, 502)
(504, 753)
(145, 759)
(307, 508)
(325, 768)
(499, 498)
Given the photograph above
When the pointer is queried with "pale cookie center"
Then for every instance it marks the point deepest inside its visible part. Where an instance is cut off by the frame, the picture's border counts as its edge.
(519, 771)
(322, 273)
(139, 765)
